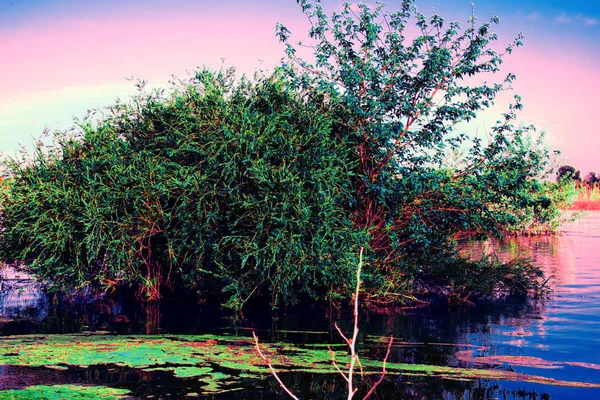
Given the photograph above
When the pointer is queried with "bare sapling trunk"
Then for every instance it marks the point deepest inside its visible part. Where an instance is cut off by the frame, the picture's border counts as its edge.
(354, 358)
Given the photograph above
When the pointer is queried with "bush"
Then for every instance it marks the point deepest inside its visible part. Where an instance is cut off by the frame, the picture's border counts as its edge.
(270, 186)
(217, 186)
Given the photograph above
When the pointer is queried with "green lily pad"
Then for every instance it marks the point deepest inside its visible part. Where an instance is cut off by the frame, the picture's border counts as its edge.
(71, 392)
(235, 358)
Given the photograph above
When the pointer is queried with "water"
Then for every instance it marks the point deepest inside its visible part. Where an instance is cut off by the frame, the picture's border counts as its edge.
(565, 329)
(556, 338)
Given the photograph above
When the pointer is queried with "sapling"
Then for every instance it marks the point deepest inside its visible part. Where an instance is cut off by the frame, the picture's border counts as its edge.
(354, 358)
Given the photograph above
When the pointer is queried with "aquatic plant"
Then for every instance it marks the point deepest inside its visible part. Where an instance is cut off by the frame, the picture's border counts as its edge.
(226, 363)
(71, 392)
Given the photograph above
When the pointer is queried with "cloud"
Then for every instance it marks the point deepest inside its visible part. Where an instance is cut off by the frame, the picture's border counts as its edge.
(563, 19)
(587, 21)
(534, 16)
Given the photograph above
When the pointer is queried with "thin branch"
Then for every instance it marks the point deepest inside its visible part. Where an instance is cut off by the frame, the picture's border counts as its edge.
(383, 372)
(354, 359)
(334, 363)
(342, 335)
(268, 362)
(353, 356)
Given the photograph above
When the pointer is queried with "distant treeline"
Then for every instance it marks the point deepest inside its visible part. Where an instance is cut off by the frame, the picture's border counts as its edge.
(570, 172)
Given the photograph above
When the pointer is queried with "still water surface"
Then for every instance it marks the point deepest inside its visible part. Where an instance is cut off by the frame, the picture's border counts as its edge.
(555, 338)
(564, 330)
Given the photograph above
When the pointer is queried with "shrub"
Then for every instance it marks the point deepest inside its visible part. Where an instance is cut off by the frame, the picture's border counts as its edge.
(217, 186)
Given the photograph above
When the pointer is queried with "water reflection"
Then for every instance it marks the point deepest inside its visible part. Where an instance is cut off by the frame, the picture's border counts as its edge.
(563, 330)
(20, 298)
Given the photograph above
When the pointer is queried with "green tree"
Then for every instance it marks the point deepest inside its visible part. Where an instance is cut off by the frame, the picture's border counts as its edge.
(403, 96)
(269, 187)
(592, 178)
(566, 172)
(228, 189)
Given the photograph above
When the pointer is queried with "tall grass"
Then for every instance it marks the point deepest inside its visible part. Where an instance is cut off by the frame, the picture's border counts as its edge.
(588, 198)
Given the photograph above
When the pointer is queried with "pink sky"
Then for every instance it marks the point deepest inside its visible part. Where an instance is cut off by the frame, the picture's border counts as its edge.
(55, 67)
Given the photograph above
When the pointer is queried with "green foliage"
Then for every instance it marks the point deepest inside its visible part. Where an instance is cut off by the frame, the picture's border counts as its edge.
(57, 392)
(238, 189)
(568, 172)
(545, 212)
(404, 96)
(467, 279)
(216, 186)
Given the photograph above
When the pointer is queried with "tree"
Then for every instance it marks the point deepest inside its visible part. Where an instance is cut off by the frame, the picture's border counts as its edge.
(568, 172)
(403, 98)
(592, 178)
(229, 189)
(269, 187)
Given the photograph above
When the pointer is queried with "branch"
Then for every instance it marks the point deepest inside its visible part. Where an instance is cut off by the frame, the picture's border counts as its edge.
(268, 362)
(354, 360)
(353, 355)
(334, 363)
(383, 372)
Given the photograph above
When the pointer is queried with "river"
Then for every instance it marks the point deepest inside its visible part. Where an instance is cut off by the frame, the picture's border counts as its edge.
(556, 338)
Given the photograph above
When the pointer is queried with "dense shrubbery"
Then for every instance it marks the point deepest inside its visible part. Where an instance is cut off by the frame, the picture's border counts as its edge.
(269, 186)
(219, 186)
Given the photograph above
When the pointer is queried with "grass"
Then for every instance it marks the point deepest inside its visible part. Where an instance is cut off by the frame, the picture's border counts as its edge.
(588, 198)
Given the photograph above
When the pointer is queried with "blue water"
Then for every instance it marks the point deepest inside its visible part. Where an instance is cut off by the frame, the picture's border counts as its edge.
(563, 329)
(561, 334)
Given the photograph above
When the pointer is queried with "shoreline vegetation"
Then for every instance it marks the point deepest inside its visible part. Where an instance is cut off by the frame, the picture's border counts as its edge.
(588, 198)
(584, 191)
(244, 192)
(234, 188)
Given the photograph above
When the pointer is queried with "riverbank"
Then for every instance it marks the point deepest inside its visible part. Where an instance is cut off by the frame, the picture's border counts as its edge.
(588, 199)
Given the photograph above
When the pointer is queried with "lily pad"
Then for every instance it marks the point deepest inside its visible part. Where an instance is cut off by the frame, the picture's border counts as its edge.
(72, 392)
(220, 362)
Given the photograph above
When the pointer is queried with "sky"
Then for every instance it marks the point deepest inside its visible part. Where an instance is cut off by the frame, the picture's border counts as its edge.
(59, 58)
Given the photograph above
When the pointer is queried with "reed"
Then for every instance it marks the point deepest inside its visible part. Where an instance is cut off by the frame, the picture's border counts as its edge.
(588, 198)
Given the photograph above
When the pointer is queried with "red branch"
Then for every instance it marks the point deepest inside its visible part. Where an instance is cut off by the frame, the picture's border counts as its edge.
(383, 372)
